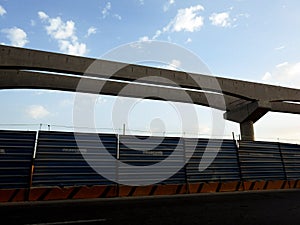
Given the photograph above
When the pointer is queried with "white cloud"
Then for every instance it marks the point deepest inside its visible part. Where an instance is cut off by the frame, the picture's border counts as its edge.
(282, 64)
(37, 111)
(142, 2)
(189, 40)
(43, 15)
(168, 4)
(242, 15)
(73, 48)
(90, 31)
(64, 33)
(16, 36)
(105, 11)
(267, 76)
(117, 16)
(174, 65)
(58, 29)
(2, 10)
(157, 34)
(187, 19)
(280, 48)
(144, 38)
(220, 19)
(284, 74)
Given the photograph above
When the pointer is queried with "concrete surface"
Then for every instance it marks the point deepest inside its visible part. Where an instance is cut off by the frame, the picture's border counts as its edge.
(263, 207)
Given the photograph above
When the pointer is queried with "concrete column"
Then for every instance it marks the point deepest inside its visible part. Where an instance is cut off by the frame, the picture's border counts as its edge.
(247, 130)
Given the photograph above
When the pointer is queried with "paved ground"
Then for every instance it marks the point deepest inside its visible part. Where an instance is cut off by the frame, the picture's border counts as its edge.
(280, 207)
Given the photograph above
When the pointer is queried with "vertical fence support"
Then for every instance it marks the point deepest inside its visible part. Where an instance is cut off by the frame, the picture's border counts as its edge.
(282, 162)
(239, 162)
(124, 129)
(185, 167)
(117, 164)
(32, 166)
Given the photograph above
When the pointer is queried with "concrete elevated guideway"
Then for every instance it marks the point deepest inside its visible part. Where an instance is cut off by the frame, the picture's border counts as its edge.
(243, 102)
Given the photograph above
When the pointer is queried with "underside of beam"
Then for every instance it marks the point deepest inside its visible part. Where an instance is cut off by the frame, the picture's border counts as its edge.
(252, 111)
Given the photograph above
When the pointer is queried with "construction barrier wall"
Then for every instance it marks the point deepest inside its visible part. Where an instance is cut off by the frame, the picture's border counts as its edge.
(219, 155)
(59, 159)
(49, 165)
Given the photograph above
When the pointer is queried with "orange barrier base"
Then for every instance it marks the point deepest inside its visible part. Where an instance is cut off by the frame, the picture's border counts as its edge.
(170, 189)
(85, 192)
(13, 195)
(81, 192)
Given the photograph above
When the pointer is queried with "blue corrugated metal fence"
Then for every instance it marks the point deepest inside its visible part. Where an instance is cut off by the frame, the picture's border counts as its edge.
(16, 150)
(76, 159)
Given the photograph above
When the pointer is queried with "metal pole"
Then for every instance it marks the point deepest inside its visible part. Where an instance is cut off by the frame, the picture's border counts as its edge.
(185, 166)
(124, 127)
(118, 147)
(117, 164)
(282, 161)
(237, 147)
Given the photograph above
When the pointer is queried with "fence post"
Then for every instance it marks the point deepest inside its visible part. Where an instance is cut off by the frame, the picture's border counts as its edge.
(282, 162)
(32, 166)
(185, 167)
(237, 147)
(117, 164)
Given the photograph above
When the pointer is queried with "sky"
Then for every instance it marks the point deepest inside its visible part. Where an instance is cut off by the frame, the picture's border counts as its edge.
(253, 40)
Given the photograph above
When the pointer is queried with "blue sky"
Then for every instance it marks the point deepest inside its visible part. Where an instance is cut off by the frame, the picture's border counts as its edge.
(248, 40)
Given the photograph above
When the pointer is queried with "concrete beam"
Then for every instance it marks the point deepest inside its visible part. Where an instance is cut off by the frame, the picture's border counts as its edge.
(19, 58)
(285, 107)
(249, 112)
(12, 79)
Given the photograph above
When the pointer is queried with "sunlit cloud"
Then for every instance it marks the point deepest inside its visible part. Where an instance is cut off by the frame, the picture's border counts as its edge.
(64, 33)
(220, 19)
(37, 111)
(2, 11)
(16, 36)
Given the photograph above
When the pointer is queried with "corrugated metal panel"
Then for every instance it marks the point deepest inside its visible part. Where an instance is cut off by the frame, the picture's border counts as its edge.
(291, 159)
(260, 161)
(59, 161)
(150, 151)
(222, 154)
(16, 152)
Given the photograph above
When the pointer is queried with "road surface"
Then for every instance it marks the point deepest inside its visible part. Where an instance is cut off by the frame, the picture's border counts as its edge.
(263, 207)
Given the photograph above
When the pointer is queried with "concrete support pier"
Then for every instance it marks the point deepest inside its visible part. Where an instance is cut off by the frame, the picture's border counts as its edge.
(247, 130)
